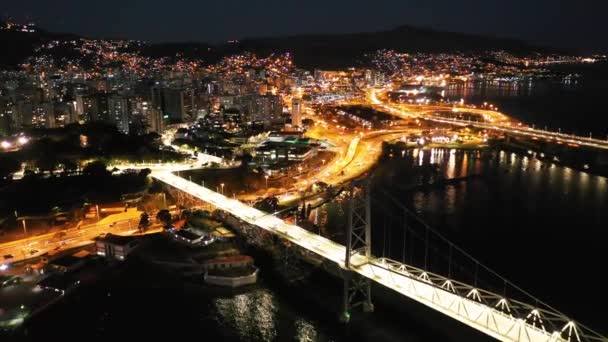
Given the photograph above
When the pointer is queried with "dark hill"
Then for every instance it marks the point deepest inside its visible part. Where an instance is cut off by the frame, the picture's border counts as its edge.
(17, 46)
(309, 50)
(335, 50)
(192, 50)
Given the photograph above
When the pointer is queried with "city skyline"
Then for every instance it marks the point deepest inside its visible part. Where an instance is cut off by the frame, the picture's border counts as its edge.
(567, 25)
(404, 183)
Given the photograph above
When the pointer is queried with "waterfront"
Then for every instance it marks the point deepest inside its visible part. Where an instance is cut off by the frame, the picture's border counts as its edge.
(570, 104)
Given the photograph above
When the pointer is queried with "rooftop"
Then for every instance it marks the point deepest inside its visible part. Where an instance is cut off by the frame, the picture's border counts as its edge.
(230, 259)
(188, 235)
(118, 240)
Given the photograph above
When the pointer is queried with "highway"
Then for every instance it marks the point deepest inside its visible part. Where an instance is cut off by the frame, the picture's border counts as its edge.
(73, 237)
(121, 224)
(493, 120)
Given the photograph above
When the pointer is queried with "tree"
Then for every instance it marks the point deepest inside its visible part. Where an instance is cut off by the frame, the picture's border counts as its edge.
(245, 160)
(138, 126)
(47, 162)
(164, 216)
(144, 221)
(96, 169)
(8, 166)
(69, 166)
(143, 173)
(268, 204)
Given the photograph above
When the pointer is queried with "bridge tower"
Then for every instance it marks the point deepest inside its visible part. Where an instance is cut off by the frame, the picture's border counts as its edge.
(357, 289)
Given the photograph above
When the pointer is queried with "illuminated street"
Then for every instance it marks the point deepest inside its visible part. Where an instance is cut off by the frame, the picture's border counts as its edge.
(496, 121)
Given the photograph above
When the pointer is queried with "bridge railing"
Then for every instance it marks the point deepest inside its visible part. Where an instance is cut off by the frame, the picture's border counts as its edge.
(540, 316)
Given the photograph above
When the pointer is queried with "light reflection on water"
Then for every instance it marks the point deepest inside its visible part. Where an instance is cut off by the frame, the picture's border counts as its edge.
(305, 331)
(536, 173)
(519, 209)
(251, 316)
(256, 316)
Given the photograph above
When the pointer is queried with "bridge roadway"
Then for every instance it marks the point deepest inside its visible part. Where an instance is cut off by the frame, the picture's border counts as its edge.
(528, 132)
(470, 309)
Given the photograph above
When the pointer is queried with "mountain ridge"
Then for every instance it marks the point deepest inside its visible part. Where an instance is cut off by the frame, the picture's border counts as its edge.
(337, 50)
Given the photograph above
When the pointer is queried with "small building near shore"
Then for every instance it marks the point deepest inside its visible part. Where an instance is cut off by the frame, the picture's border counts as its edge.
(116, 246)
(191, 238)
(229, 262)
(231, 271)
(222, 234)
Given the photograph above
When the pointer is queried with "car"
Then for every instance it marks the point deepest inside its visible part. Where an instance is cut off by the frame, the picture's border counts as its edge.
(9, 280)
(8, 256)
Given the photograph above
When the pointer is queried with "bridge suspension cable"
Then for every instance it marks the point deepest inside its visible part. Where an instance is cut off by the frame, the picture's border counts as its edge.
(513, 300)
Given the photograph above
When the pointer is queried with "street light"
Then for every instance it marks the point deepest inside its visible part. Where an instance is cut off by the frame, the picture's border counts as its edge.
(222, 185)
(266, 177)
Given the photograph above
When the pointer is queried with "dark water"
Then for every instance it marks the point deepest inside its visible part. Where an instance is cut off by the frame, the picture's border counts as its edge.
(572, 104)
(141, 302)
(540, 225)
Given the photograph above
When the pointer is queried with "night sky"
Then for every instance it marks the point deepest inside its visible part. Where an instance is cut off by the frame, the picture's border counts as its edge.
(556, 23)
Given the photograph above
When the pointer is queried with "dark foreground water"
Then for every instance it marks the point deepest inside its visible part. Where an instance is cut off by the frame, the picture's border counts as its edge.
(540, 225)
(140, 302)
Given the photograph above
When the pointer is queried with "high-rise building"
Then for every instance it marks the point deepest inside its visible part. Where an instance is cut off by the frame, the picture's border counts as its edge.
(79, 105)
(153, 117)
(265, 107)
(296, 111)
(96, 107)
(174, 103)
(118, 110)
(65, 113)
(6, 116)
(22, 114)
(156, 99)
(44, 115)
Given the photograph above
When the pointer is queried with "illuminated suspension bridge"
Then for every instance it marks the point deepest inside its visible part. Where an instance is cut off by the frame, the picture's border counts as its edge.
(504, 312)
